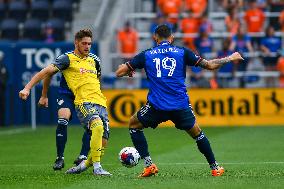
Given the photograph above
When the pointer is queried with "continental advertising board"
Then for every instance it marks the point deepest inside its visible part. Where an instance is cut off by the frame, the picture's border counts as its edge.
(223, 107)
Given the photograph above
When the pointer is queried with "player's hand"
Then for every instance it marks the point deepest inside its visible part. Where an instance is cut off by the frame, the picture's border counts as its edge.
(123, 70)
(130, 73)
(43, 102)
(24, 94)
(236, 56)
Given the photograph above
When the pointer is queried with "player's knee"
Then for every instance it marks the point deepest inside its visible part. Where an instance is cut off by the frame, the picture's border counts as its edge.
(194, 131)
(133, 122)
(64, 113)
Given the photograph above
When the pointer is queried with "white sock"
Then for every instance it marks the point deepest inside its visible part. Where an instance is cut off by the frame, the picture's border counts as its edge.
(147, 161)
(82, 156)
(97, 165)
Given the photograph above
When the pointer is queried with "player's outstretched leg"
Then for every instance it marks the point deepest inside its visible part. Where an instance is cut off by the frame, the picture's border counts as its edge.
(84, 149)
(85, 164)
(140, 143)
(97, 129)
(61, 138)
(205, 148)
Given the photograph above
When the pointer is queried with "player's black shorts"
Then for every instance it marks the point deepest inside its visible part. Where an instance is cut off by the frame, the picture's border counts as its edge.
(151, 117)
(66, 100)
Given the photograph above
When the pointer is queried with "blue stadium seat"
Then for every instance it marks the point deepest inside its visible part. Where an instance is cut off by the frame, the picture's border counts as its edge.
(10, 29)
(63, 9)
(32, 29)
(71, 1)
(3, 9)
(40, 10)
(59, 28)
(18, 10)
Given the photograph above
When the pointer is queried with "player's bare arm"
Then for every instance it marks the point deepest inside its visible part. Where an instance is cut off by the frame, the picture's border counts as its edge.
(48, 71)
(217, 63)
(124, 70)
(43, 101)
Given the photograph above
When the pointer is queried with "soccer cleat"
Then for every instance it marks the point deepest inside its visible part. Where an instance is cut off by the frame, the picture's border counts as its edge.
(218, 171)
(149, 171)
(79, 159)
(58, 164)
(100, 172)
(78, 169)
(74, 170)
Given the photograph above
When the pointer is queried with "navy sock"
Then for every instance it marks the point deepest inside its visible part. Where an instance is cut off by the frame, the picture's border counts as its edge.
(85, 143)
(139, 141)
(61, 136)
(205, 148)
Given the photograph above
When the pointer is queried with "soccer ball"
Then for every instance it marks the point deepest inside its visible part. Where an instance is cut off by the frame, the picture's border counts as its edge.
(129, 157)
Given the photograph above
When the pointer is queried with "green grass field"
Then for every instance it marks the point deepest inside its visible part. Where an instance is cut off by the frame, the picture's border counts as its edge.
(252, 156)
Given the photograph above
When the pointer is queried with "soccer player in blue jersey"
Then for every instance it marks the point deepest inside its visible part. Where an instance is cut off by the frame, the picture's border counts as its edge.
(165, 66)
(65, 108)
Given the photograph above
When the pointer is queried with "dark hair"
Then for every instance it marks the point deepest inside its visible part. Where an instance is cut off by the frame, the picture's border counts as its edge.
(83, 33)
(163, 31)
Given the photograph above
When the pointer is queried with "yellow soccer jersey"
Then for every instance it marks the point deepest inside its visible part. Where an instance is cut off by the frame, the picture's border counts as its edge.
(82, 77)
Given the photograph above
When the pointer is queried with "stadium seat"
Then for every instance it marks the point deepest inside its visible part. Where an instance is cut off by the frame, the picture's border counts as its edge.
(44, 0)
(18, 10)
(10, 29)
(3, 9)
(71, 1)
(59, 28)
(40, 10)
(32, 29)
(63, 9)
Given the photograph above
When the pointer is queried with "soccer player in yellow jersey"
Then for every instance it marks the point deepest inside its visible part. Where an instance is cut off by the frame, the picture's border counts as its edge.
(81, 74)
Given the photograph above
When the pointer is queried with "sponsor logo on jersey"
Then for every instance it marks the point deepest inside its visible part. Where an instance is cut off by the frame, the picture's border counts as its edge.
(83, 70)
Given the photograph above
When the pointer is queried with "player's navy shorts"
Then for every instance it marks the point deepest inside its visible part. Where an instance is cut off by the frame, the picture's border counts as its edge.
(87, 111)
(66, 100)
(151, 117)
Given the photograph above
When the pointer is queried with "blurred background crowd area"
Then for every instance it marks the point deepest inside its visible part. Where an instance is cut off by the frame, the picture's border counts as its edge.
(210, 28)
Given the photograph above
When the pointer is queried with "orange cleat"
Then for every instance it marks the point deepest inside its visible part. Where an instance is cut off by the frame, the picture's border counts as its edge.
(149, 171)
(218, 172)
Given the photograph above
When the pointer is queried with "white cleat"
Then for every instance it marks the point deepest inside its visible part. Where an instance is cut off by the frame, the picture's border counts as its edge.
(73, 170)
(78, 169)
(100, 172)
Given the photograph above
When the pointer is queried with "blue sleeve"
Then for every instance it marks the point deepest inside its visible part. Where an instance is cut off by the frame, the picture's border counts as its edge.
(234, 38)
(153, 27)
(190, 58)
(247, 38)
(62, 62)
(138, 62)
(262, 41)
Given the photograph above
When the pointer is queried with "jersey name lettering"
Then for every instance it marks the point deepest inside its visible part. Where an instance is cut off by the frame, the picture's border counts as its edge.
(165, 50)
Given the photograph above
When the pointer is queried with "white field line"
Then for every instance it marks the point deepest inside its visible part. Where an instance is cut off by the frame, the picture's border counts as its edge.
(109, 164)
(15, 131)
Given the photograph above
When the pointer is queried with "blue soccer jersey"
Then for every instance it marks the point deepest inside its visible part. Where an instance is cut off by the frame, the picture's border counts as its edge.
(165, 67)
